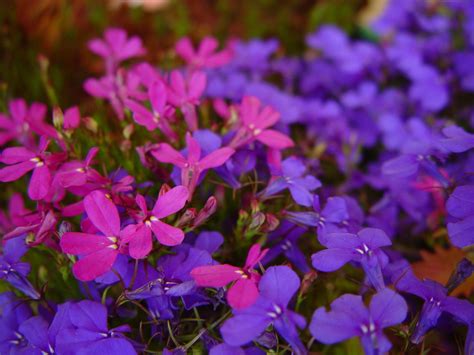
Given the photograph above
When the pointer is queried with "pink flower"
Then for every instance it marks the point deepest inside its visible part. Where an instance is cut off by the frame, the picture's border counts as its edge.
(186, 94)
(77, 173)
(97, 252)
(23, 121)
(116, 47)
(254, 123)
(22, 160)
(116, 89)
(158, 116)
(244, 292)
(139, 239)
(191, 166)
(205, 56)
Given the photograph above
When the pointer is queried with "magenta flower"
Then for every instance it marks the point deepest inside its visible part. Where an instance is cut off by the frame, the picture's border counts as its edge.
(254, 122)
(244, 292)
(116, 47)
(139, 239)
(191, 166)
(77, 173)
(23, 121)
(22, 160)
(116, 89)
(186, 93)
(205, 56)
(160, 111)
(98, 252)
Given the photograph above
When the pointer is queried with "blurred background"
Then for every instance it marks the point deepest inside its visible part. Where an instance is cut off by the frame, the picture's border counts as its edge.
(58, 31)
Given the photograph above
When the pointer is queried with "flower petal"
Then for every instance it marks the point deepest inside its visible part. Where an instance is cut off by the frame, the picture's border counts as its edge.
(40, 183)
(170, 202)
(242, 294)
(103, 213)
(215, 275)
(331, 259)
(95, 264)
(275, 139)
(166, 234)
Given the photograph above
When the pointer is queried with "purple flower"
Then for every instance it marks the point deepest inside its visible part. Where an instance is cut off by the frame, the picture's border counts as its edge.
(460, 206)
(436, 302)
(84, 329)
(332, 218)
(12, 314)
(277, 287)
(363, 248)
(284, 241)
(13, 270)
(349, 317)
(290, 174)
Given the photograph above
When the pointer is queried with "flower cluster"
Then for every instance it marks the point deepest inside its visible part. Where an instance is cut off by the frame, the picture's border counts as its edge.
(224, 205)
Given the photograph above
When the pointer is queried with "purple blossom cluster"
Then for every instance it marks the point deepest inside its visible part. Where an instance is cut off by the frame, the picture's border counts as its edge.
(247, 201)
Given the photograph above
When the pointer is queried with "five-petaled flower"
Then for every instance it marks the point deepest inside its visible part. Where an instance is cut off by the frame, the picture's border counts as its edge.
(349, 317)
(97, 252)
(192, 166)
(363, 248)
(254, 124)
(139, 238)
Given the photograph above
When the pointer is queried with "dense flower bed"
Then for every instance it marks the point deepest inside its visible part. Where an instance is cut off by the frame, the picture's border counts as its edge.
(247, 201)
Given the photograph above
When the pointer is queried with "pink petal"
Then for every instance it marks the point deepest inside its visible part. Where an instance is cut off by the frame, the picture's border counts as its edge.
(197, 85)
(72, 118)
(18, 110)
(194, 149)
(140, 243)
(254, 256)
(166, 234)
(91, 155)
(95, 264)
(103, 213)
(14, 172)
(249, 110)
(40, 183)
(267, 117)
(275, 139)
(141, 202)
(132, 48)
(141, 115)
(184, 49)
(157, 94)
(207, 46)
(82, 243)
(242, 294)
(216, 158)
(99, 47)
(167, 154)
(178, 88)
(16, 155)
(170, 202)
(215, 275)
